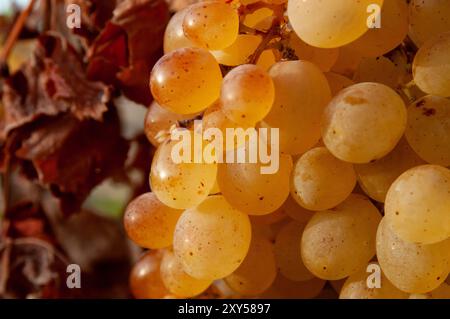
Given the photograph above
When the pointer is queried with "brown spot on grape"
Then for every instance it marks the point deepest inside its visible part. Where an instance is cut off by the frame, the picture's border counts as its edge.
(355, 100)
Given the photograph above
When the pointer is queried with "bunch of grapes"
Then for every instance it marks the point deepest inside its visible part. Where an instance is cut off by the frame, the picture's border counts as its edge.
(363, 113)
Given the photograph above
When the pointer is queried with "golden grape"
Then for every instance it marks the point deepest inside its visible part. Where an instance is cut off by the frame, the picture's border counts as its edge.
(174, 37)
(380, 70)
(337, 82)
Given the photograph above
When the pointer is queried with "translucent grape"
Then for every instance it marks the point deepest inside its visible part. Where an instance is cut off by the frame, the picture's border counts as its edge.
(247, 94)
(376, 178)
(159, 120)
(380, 70)
(182, 185)
(261, 19)
(355, 287)
(177, 280)
(287, 252)
(412, 268)
(394, 28)
(269, 219)
(241, 50)
(295, 211)
(186, 80)
(428, 130)
(254, 193)
(211, 24)
(364, 122)
(298, 112)
(212, 239)
(431, 66)
(258, 270)
(320, 181)
(330, 23)
(283, 288)
(339, 242)
(417, 204)
(323, 58)
(174, 37)
(150, 223)
(145, 278)
(348, 61)
(428, 19)
(337, 82)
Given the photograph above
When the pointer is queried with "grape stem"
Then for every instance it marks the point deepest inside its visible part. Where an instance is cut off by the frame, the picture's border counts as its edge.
(274, 32)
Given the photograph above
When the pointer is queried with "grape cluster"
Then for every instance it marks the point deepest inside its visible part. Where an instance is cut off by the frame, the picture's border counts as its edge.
(364, 139)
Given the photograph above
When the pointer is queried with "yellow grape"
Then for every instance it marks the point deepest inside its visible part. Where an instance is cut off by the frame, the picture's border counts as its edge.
(214, 117)
(269, 219)
(258, 270)
(428, 19)
(182, 185)
(211, 24)
(301, 95)
(247, 94)
(145, 278)
(376, 178)
(339, 242)
(330, 23)
(283, 288)
(380, 70)
(241, 50)
(364, 122)
(428, 130)
(442, 292)
(337, 82)
(174, 37)
(287, 252)
(212, 239)
(295, 211)
(417, 204)
(254, 193)
(177, 280)
(158, 121)
(261, 19)
(394, 28)
(413, 268)
(355, 287)
(431, 66)
(149, 223)
(186, 80)
(320, 181)
(323, 58)
(347, 62)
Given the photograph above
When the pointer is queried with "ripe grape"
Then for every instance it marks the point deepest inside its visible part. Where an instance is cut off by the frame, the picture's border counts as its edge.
(355, 287)
(150, 223)
(174, 37)
(428, 130)
(417, 204)
(301, 95)
(431, 66)
(320, 181)
(158, 121)
(330, 23)
(413, 268)
(364, 122)
(339, 242)
(182, 185)
(337, 82)
(258, 270)
(145, 278)
(269, 219)
(376, 178)
(211, 24)
(295, 211)
(380, 70)
(177, 280)
(186, 80)
(247, 189)
(283, 288)
(241, 50)
(212, 239)
(347, 62)
(394, 28)
(287, 252)
(247, 94)
(323, 58)
(428, 19)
